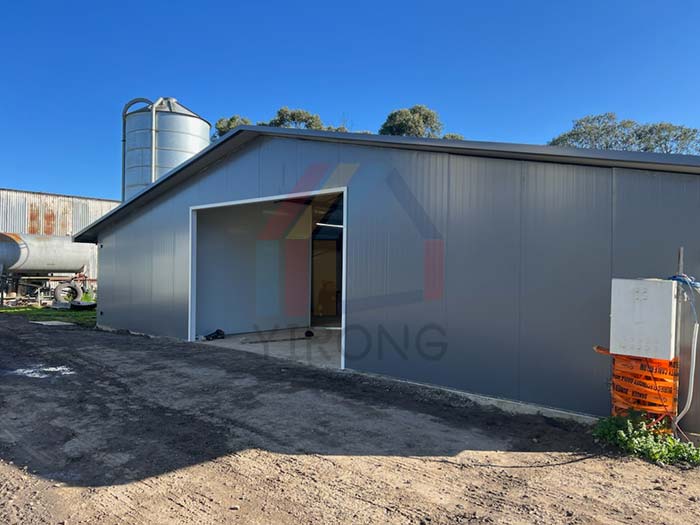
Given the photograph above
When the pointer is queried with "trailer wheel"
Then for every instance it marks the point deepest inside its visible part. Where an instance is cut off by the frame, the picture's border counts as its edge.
(67, 292)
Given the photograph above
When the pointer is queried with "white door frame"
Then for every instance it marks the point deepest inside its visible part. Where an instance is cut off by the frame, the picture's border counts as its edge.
(192, 292)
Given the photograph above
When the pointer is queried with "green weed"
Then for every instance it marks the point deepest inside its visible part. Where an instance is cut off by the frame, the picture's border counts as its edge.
(638, 435)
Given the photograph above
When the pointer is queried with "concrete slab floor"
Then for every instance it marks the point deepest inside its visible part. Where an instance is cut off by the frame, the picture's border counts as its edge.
(322, 350)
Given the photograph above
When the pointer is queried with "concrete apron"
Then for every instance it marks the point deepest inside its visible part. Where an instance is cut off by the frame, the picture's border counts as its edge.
(321, 350)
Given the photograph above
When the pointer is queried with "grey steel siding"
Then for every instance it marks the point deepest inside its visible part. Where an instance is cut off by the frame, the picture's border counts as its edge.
(654, 214)
(483, 256)
(392, 211)
(527, 273)
(150, 281)
(529, 251)
(565, 266)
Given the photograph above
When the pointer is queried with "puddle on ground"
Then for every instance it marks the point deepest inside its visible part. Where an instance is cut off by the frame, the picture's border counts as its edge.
(40, 371)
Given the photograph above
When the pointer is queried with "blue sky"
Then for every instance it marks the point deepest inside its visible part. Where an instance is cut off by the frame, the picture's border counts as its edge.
(509, 71)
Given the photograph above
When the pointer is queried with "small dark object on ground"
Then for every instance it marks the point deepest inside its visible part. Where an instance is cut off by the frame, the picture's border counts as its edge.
(83, 305)
(216, 334)
(309, 333)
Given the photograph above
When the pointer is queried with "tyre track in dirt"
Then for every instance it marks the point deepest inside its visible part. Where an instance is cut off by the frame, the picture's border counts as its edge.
(156, 431)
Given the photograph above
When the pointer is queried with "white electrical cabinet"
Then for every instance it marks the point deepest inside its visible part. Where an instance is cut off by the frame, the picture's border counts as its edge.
(643, 318)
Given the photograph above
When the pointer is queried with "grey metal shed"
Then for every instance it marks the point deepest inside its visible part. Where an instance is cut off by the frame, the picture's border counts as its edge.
(483, 267)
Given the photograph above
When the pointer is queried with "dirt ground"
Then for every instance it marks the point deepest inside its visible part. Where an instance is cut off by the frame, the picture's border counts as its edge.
(108, 428)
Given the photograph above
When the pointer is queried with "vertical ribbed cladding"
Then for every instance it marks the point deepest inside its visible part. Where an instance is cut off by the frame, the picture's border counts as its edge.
(36, 229)
(48, 214)
(157, 138)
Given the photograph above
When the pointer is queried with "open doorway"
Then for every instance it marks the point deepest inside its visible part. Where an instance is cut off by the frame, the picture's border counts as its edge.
(267, 271)
(327, 261)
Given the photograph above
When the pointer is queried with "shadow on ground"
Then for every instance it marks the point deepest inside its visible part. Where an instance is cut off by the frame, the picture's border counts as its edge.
(93, 408)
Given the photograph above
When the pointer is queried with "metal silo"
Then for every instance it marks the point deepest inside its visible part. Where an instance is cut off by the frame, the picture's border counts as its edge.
(156, 138)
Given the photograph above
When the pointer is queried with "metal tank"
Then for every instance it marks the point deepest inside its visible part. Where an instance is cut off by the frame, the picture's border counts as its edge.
(156, 138)
(39, 254)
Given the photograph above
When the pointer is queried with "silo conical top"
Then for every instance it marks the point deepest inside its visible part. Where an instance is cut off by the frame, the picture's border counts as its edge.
(169, 104)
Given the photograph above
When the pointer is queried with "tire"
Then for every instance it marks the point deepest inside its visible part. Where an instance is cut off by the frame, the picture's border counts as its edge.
(67, 292)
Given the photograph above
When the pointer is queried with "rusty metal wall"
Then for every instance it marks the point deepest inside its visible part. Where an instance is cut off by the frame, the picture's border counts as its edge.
(48, 214)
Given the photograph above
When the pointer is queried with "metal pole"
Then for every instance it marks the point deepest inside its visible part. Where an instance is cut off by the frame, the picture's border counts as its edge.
(127, 106)
(153, 138)
(679, 302)
(2, 286)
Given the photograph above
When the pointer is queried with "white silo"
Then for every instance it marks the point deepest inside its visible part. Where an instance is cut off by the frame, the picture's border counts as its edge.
(156, 138)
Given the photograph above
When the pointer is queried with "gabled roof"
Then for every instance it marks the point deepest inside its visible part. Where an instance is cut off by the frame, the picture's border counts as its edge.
(238, 137)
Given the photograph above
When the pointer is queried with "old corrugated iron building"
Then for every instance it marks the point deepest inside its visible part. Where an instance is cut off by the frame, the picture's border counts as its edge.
(479, 266)
(48, 213)
(36, 230)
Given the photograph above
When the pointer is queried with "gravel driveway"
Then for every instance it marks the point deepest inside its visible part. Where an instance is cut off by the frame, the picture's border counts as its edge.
(115, 428)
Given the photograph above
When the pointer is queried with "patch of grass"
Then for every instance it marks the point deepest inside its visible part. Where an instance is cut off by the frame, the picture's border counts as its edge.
(637, 435)
(37, 313)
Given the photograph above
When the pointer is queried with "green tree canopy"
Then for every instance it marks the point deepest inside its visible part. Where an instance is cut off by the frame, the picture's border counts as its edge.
(341, 129)
(284, 118)
(294, 118)
(605, 131)
(224, 125)
(664, 137)
(417, 121)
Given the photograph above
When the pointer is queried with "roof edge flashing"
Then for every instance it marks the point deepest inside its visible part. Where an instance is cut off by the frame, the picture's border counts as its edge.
(241, 135)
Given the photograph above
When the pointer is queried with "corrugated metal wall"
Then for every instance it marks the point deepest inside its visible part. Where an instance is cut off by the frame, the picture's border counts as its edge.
(654, 214)
(485, 275)
(48, 214)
